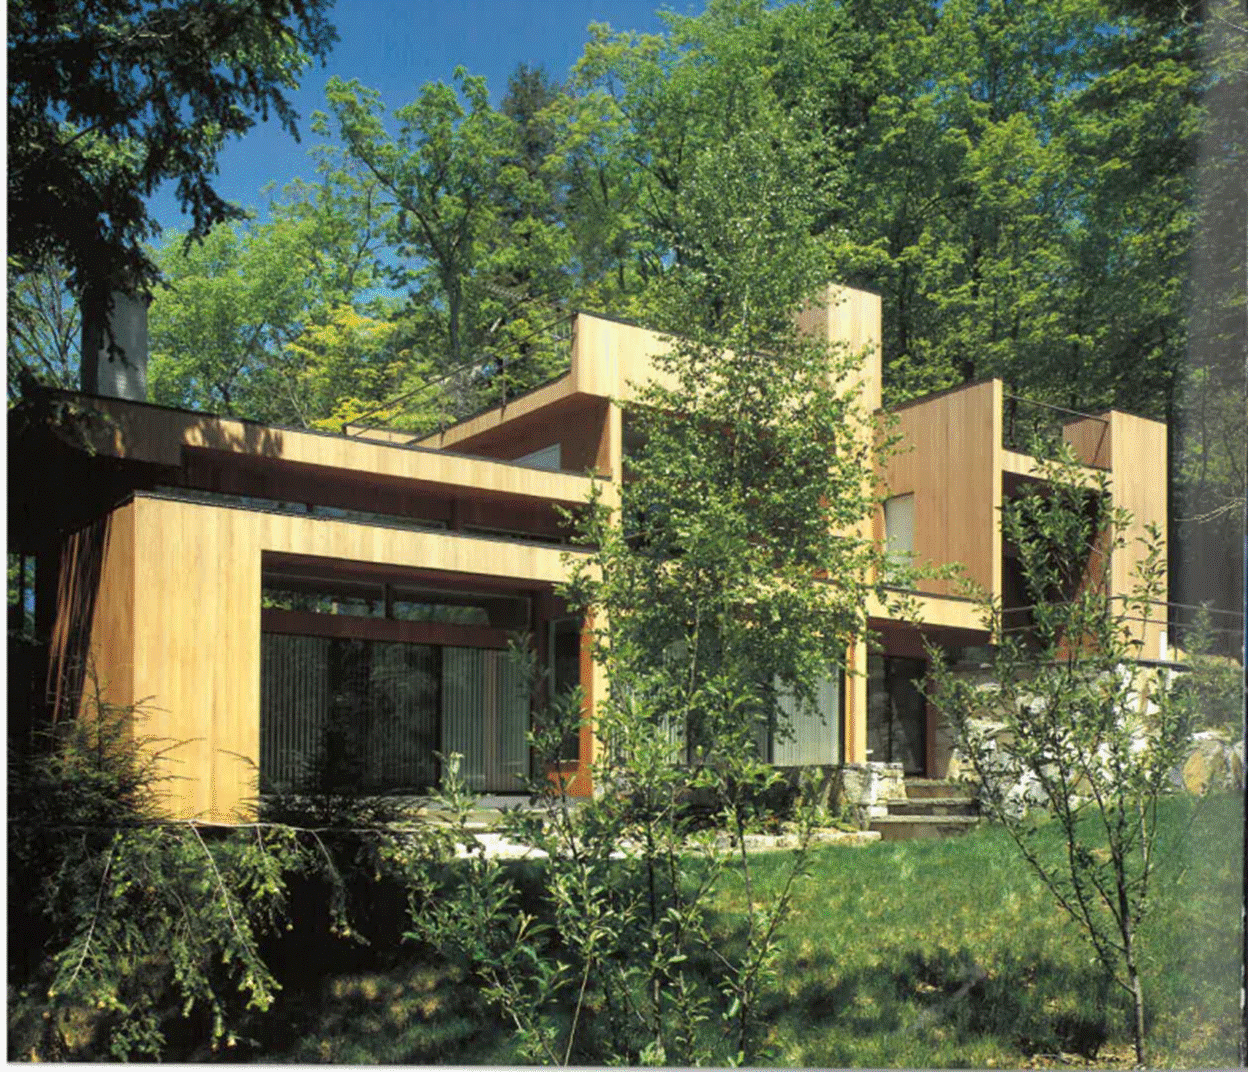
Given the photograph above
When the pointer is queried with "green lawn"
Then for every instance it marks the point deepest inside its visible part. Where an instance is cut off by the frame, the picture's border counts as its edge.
(930, 953)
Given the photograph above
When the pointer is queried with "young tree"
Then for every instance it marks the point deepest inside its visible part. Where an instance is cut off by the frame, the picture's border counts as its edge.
(1073, 726)
(732, 572)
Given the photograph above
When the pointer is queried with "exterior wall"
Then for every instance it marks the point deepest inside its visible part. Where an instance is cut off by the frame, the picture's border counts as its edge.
(171, 589)
(195, 641)
(1137, 450)
(950, 458)
(1090, 440)
(92, 638)
(608, 358)
(581, 425)
(146, 433)
(852, 317)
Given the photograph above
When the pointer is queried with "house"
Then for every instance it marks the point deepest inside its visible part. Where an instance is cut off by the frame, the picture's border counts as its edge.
(263, 592)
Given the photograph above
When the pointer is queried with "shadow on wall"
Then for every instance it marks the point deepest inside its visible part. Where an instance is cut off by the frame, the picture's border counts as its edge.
(82, 559)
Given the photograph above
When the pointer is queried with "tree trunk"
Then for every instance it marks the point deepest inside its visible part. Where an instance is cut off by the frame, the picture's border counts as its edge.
(1137, 1001)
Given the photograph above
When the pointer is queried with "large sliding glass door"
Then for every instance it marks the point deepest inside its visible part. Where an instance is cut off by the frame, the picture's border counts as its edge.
(347, 712)
(813, 736)
(897, 712)
(485, 718)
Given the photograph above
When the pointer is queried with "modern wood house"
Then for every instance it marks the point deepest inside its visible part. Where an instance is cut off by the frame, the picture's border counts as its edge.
(260, 588)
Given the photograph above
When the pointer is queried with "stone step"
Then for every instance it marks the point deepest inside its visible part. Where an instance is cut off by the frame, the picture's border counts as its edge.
(908, 827)
(477, 820)
(926, 788)
(964, 805)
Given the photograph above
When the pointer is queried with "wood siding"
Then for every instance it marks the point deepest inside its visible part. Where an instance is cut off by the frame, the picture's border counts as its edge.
(145, 433)
(1137, 457)
(950, 458)
(197, 623)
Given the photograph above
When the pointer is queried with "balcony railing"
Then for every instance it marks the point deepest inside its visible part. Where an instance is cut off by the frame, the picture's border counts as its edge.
(1037, 428)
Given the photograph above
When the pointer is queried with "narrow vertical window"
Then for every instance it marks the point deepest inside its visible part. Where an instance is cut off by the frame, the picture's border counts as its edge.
(899, 531)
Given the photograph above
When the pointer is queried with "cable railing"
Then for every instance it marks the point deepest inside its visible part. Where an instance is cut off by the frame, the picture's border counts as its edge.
(1188, 628)
(1038, 428)
(482, 382)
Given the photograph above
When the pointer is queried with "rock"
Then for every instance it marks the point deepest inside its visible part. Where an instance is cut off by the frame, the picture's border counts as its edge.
(864, 790)
(1214, 763)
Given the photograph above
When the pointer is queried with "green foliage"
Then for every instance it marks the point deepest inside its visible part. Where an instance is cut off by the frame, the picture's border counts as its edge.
(733, 569)
(597, 952)
(1214, 684)
(133, 936)
(473, 229)
(45, 330)
(900, 960)
(1072, 722)
(233, 304)
(109, 99)
(120, 919)
(736, 565)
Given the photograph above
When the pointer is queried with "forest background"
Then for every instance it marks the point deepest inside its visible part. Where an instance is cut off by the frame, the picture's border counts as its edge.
(1050, 192)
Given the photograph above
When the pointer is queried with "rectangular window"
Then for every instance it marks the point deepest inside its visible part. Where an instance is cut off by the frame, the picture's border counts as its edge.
(283, 589)
(485, 718)
(899, 530)
(359, 715)
(813, 735)
(347, 714)
(564, 647)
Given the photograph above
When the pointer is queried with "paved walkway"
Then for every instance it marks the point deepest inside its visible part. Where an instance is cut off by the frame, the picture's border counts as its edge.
(499, 847)
(484, 818)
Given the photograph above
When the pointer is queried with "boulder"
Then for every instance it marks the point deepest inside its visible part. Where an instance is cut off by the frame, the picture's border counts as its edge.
(1214, 763)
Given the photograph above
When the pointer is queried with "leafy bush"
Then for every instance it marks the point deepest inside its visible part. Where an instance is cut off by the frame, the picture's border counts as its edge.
(128, 932)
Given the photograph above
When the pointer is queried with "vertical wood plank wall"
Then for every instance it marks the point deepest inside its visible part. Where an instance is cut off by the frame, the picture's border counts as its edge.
(950, 459)
(1089, 438)
(1137, 449)
(853, 317)
(196, 638)
(113, 625)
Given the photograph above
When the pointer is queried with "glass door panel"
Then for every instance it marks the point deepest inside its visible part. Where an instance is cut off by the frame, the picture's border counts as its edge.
(897, 712)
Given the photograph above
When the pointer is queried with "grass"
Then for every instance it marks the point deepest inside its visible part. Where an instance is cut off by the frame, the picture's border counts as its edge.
(949, 953)
(915, 954)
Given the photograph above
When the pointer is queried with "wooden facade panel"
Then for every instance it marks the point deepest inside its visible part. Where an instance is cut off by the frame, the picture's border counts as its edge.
(578, 423)
(539, 400)
(1138, 465)
(1089, 437)
(852, 317)
(952, 612)
(610, 357)
(92, 642)
(950, 461)
(198, 615)
(153, 434)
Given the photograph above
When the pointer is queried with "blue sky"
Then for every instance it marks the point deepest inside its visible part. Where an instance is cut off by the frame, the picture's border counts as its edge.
(395, 46)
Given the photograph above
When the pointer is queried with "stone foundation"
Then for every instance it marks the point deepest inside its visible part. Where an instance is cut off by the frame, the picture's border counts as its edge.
(861, 792)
